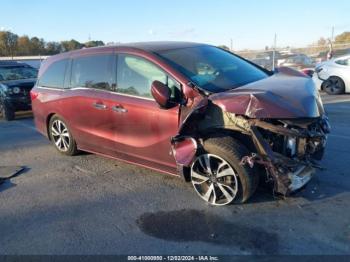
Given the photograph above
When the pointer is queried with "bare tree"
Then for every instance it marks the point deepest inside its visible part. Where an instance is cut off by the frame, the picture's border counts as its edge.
(8, 42)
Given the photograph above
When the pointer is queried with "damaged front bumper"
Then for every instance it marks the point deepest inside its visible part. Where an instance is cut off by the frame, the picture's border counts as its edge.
(290, 170)
(287, 174)
(300, 177)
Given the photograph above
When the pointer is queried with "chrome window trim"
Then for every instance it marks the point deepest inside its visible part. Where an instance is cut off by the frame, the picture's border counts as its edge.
(95, 89)
(51, 88)
(110, 92)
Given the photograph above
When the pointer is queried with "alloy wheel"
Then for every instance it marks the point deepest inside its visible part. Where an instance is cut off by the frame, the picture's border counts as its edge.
(332, 85)
(214, 179)
(60, 135)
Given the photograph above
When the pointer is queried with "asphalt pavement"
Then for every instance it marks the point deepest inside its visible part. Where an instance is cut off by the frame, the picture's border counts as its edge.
(88, 204)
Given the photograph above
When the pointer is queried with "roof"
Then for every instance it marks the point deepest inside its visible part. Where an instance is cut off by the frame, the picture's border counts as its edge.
(150, 47)
(157, 46)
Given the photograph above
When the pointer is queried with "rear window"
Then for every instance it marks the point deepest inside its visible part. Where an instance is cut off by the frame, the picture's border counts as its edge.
(17, 73)
(93, 72)
(54, 75)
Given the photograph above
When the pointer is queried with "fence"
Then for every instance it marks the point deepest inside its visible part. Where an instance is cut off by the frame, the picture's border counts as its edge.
(296, 57)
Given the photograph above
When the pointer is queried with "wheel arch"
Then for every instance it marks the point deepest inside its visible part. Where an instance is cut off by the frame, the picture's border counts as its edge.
(48, 119)
(47, 123)
(244, 139)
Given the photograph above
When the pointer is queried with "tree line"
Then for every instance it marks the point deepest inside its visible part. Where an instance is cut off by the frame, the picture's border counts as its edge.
(13, 45)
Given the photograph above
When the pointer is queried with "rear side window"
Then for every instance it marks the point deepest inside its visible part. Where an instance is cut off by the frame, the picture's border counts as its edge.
(54, 75)
(93, 72)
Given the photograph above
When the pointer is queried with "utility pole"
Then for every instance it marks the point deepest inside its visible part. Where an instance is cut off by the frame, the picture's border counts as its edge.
(273, 52)
(332, 37)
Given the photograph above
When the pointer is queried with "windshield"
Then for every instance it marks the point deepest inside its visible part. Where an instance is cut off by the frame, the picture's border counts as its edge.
(211, 68)
(17, 73)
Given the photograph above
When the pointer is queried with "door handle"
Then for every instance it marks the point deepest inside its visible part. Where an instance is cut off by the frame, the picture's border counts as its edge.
(99, 106)
(119, 109)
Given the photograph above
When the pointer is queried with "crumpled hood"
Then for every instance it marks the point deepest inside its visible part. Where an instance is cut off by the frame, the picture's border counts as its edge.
(282, 95)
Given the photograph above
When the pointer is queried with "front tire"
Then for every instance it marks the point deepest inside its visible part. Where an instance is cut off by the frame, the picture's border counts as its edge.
(61, 136)
(217, 175)
(7, 112)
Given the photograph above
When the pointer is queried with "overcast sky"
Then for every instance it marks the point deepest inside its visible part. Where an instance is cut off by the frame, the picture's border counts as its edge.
(249, 23)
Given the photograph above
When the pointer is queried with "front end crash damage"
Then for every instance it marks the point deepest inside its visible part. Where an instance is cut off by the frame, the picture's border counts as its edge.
(286, 139)
(288, 152)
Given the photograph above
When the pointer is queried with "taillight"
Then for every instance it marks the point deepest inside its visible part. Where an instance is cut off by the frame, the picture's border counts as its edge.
(304, 72)
(33, 94)
(308, 72)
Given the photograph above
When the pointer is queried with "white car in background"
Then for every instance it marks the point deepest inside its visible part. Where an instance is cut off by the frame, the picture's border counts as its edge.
(333, 76)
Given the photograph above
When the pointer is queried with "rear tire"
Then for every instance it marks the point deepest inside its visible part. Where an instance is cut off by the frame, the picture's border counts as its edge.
(7, 112)
(334, 86)
(61, 136)
(224, 149)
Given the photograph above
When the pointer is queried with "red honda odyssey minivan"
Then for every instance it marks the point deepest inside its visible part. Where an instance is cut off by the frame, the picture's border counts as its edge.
(186, 109)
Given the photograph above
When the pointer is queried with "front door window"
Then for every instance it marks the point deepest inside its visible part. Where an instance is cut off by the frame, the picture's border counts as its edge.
(135, 76)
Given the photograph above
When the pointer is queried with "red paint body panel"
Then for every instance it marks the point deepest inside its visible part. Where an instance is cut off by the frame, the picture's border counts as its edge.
(141, 135)
(144, 132)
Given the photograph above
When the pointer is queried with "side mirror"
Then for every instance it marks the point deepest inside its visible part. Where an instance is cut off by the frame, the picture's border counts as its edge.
(161, 94)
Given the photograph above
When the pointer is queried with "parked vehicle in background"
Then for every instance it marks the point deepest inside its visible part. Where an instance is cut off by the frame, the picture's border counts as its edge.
(33, 61)
(265, 59)
(333, 76)
(322, 56)
(16, 81)
(298, 62)
(185, 109)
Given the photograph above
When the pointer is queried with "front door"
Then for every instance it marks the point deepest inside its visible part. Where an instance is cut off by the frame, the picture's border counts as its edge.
(143, 129)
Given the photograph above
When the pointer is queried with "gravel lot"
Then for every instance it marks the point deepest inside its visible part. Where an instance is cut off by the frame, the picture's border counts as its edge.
(89, 204)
